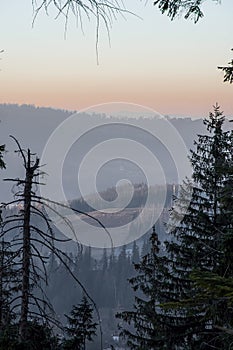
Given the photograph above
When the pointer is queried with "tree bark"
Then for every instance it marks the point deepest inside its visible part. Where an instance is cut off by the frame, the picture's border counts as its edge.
(30, 170)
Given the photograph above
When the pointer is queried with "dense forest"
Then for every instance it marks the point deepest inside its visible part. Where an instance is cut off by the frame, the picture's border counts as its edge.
(172, 289)
(165, 285)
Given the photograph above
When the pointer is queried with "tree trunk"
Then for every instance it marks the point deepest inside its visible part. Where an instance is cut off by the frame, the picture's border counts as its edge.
(26, 248)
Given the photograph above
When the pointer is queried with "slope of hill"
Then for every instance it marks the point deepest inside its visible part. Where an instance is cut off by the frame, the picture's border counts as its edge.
(33, 126)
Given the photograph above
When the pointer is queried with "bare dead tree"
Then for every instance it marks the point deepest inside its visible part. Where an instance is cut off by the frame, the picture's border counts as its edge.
(30, 172)
(103, 11)
(23, 244)
(28, 240)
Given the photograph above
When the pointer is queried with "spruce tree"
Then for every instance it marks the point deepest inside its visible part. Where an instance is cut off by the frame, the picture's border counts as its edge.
(218, 287)
(81, 327)
(140, 326)
(199, 241)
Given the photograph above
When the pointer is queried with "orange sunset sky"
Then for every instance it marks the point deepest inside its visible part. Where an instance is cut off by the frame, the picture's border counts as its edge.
(168, 66)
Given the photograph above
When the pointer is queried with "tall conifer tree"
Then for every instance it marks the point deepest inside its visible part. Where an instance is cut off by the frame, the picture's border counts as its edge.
(199, 241)
(140, 326)
(173, 312)
(81, 327)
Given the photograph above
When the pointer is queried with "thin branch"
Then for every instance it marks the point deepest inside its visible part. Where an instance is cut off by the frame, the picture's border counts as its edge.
(20, 150)
(79, 212)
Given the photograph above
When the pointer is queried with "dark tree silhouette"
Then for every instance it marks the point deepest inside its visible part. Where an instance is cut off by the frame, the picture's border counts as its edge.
(9, 283)
(228, 72)
(141, 327)
(191, 9)
(2, 163)
(179, 308)
(188, 8)
(26, 237)
(201, 241)
(30, 242)
(81, 327)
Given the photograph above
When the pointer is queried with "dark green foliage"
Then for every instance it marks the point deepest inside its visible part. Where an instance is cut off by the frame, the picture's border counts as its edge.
(214, 286)
(228, 72)
(201, 241)
(9, 337)
(106, 279)
(9, 283)
(174, 309)
(39, 336)
(81, 327)
(173, 8)
(141, 326)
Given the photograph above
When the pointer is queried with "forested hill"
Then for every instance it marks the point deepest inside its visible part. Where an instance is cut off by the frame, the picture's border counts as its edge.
(32, 126)
(111, 218)
(89, 203)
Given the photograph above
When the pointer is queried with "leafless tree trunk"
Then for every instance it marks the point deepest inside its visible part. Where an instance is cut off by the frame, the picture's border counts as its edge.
(30, 171)
(25, 250)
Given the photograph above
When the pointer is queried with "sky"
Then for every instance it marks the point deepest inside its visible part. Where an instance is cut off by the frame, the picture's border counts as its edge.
(168, 66)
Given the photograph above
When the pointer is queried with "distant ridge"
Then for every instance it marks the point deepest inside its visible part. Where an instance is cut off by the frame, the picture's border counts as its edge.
(33, 125)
